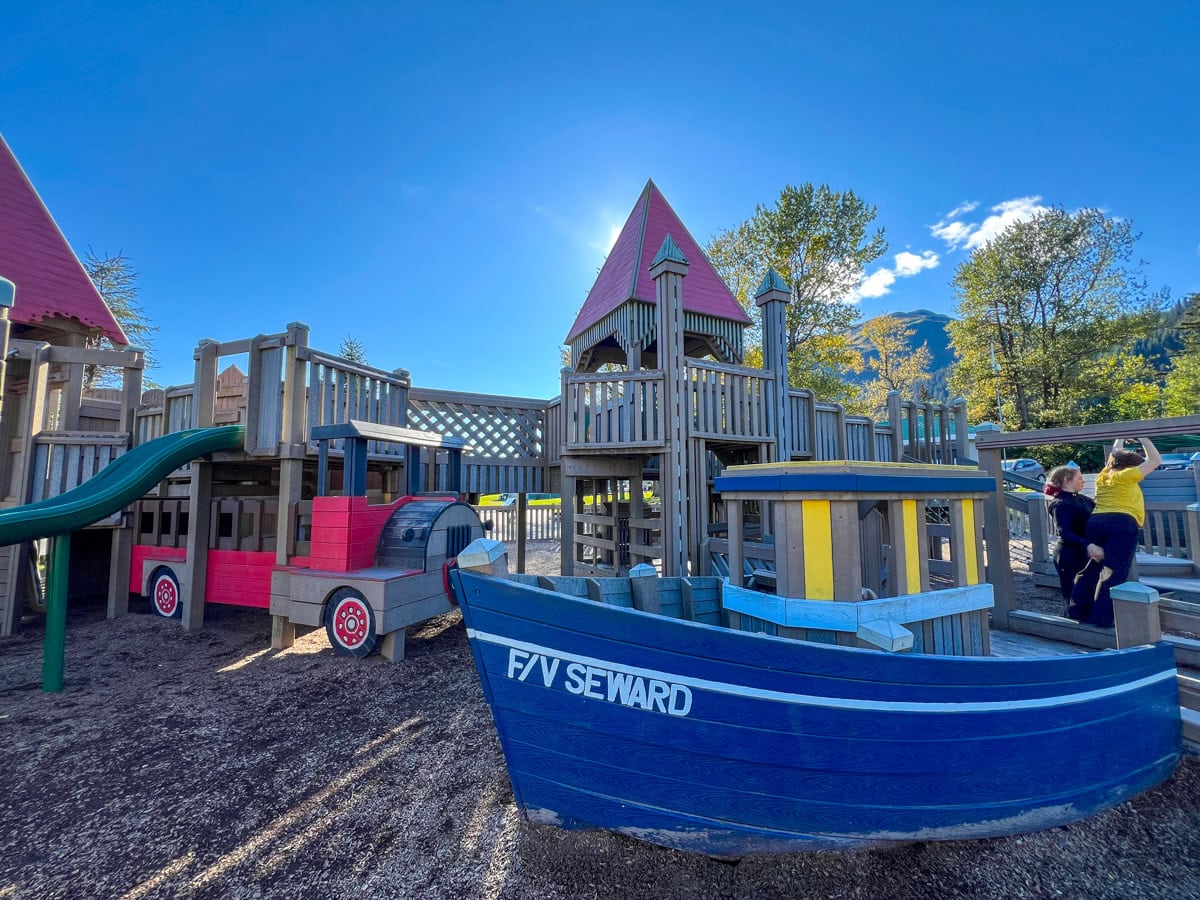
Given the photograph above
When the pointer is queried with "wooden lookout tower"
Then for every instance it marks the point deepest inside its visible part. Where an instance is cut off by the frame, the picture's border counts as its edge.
(676, 397)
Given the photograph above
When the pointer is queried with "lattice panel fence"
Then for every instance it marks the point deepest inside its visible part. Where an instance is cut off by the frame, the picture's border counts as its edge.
(494, 430)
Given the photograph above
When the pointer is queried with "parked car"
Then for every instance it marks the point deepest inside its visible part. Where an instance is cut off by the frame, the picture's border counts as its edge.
(1029, 468)
(1177, 461)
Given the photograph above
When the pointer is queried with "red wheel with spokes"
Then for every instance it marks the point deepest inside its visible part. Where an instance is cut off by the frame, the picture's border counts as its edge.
(164, 593)
(350, 623)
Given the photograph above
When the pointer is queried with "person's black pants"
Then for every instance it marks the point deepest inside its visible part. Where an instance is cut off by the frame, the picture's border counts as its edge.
(1071, 559)
(1117, 533)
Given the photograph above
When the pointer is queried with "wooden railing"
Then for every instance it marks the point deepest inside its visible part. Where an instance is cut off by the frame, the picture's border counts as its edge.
(340, 390)
(728, 401)
(542, 523)
(1171, 530)
(63, 460)
(620, 410)
(165, 411)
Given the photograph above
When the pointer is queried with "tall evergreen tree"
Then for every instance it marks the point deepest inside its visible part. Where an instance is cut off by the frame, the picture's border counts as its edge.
(353, 349)
(116, 282)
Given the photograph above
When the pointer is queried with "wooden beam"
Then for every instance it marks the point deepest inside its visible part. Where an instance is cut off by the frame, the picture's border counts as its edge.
(1077, 434)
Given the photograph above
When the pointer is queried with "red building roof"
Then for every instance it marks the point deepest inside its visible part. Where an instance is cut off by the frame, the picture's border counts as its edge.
(35, 256)
(626, 273)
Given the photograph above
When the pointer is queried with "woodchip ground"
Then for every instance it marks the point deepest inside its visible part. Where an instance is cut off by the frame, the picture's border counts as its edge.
(206, 765)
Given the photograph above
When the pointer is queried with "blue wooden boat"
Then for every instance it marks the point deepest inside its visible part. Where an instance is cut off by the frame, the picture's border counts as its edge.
(727, 743)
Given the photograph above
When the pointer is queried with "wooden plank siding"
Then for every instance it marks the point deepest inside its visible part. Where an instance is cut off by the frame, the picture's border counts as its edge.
(64, 460)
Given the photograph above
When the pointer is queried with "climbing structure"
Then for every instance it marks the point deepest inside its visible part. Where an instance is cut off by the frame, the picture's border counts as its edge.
(681, 406)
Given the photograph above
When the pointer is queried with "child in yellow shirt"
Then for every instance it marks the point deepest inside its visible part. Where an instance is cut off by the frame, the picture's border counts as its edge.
(1112, 531)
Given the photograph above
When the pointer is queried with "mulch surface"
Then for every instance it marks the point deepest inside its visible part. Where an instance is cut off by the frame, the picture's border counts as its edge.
(204, 764)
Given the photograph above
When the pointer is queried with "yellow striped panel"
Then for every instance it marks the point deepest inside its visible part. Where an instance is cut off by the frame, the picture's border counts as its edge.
(818, 550)
(912, 549)
(970, 556)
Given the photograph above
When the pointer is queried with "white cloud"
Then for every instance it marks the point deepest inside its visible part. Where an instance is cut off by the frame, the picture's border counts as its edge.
(876, 284)
(880, 282)
(908, 264)
(953, 233)
(1004, 214)
(976, 234)
(962, 209)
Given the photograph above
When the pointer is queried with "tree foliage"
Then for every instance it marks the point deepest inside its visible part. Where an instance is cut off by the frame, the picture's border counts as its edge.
(1044, 309)
(896, 365)
(1181, 393)
(818, 240)
(116, 281)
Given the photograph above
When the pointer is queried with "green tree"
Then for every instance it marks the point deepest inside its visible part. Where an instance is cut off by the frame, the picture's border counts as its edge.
(116, 281)
(1181, 393)
(1038, 307)
(352, 348)
(818, 240)
(894, 362)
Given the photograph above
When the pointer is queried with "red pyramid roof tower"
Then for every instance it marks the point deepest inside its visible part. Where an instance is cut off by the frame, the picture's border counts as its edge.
(618, 316)
(52, 286)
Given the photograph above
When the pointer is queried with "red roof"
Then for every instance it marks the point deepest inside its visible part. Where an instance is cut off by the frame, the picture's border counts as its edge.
(626, 273)
(34, 255)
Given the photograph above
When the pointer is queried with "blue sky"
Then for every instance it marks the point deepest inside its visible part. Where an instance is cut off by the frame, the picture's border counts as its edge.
(443, 184)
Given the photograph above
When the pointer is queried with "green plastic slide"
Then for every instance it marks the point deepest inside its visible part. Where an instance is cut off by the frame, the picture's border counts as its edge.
(121, 482)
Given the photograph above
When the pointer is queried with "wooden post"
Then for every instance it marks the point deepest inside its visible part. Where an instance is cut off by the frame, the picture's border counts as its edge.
(200, 510)
(485, 556)
(995, 530)
(522, 528)
(131, 396)
(734, 519)
(292, 444)
(1191, 518)
(1135, 614)
(118, 567)
(568, 506)
(643, 585)
(668, 271)
(206, 383)
(895, 419)
(961, 429)
(773, 298)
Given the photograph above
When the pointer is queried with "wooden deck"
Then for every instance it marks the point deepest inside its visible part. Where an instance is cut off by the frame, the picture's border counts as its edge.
(1013, 645)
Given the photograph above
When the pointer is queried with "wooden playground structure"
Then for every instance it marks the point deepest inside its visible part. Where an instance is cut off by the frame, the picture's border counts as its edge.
(656, 392)
(235, 514)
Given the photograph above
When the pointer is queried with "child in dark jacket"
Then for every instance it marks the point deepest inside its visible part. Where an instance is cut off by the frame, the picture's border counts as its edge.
(1071, 511)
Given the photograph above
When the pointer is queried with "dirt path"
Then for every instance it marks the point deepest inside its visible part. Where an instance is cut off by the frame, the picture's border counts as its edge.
(179, 764)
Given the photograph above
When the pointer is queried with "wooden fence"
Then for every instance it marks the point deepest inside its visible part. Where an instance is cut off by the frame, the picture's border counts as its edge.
(542, 523)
